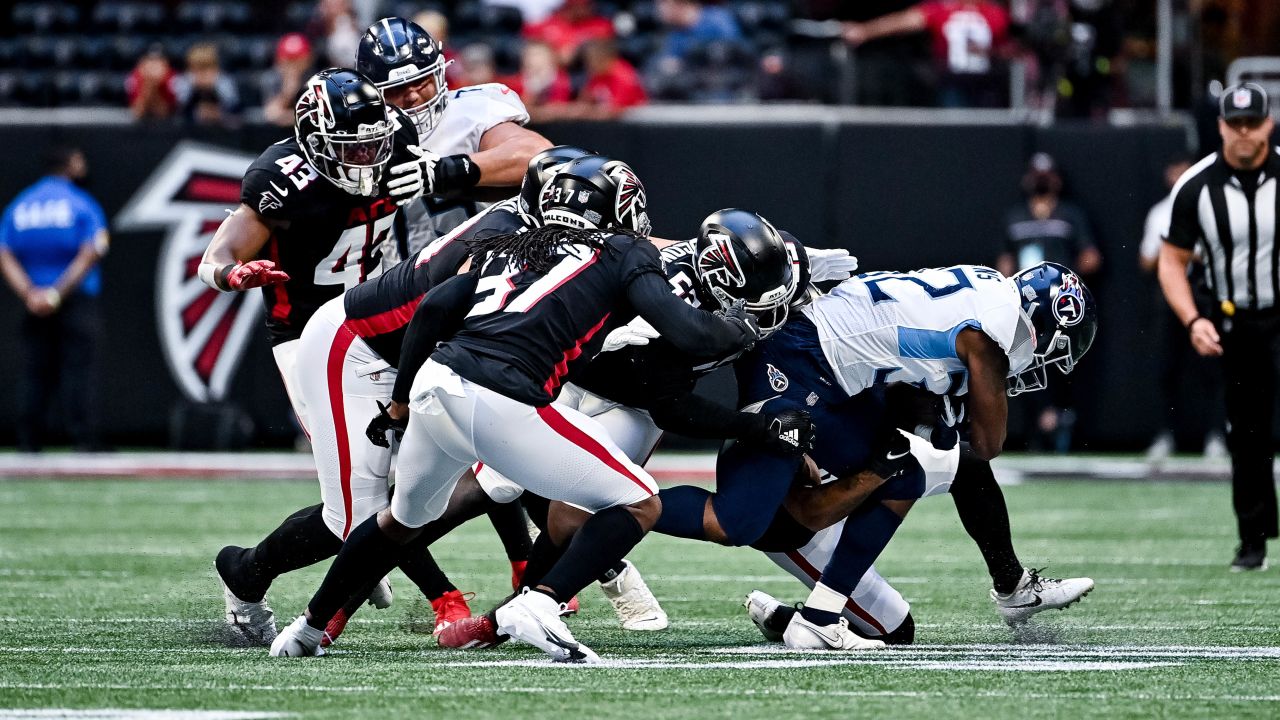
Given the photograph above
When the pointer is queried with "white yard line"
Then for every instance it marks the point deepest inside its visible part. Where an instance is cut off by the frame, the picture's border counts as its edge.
(135, 714)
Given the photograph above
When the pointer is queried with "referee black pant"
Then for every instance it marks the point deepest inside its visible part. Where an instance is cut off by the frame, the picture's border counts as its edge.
(1251, 363)
(61, 354)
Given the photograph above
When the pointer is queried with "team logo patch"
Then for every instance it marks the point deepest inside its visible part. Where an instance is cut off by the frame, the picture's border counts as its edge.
(777, 380)
(1068, 307)
(203, 333)
(718, 265)
(269, 202)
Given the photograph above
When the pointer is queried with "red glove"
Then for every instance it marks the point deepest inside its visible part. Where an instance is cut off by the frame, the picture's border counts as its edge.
(255, 273)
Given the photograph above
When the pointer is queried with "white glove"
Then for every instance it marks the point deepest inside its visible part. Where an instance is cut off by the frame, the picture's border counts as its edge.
(825, 265)
(414, 178)
(636, 332)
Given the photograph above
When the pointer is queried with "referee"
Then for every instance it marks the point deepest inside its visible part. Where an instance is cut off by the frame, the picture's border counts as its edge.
(1227, 203)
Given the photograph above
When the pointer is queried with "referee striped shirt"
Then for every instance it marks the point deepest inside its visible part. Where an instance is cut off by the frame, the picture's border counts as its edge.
(1230, 215)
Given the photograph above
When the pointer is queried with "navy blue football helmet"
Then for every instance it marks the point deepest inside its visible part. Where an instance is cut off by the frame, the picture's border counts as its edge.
(542, 167)
(344, 129)
(1064, 319)
(395, 52)
(740, 256)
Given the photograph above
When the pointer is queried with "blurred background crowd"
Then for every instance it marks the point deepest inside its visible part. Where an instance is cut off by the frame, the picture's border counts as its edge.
(230, 61)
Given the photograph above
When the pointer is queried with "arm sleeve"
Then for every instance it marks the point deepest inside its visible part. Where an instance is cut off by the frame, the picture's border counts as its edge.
(700, 417)
(1184, 221)
(695, 332)
(6, 226)
(439, 315)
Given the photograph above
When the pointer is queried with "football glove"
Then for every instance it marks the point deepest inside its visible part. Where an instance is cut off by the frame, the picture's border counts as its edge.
(431, 174)
(826, 265)
(636, 332)
(381, 424)
(789, 433)
(738, 316)
(944, 434)
(254, 274)
(891, 454)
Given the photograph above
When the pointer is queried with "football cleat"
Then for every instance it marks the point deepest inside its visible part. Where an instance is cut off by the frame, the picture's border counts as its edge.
(298, 640)
(636, 606)
(517, 572)
(760, 608)
(254, 621)
(450, 608)
(1036, 594)
(382, 595)
(473, 633)
(804, 635)
(1250, 556)
(334, 628)
(570, 608)
(534, 617)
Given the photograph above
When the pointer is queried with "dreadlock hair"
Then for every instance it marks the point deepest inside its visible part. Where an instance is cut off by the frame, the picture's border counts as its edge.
(538, 249)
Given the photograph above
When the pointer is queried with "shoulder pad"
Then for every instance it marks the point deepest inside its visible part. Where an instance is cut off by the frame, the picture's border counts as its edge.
(507, 101)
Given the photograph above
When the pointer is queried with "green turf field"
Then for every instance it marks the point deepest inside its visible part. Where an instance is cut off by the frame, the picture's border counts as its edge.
(108, 600)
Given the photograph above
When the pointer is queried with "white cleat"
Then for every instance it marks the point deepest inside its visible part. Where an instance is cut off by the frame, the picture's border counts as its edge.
(381, 596)
(534, 617)
(255, 621)
(1036, 594)
(635, 604)
(298, 640)
(804, 635)
(760, 608)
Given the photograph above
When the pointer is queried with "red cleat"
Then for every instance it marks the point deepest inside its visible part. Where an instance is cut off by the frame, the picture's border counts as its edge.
(335, 627)
(470, 634)
(571, 607)
(450, 608)
(517, 572)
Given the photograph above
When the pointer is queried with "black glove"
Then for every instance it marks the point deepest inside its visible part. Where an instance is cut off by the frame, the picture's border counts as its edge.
(381, 424)
(891, 453)
(454, 173)
(789, 433)
(746, 322)
(945, 434)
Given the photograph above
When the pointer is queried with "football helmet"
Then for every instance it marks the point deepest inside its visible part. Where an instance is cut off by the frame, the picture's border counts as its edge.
(542, 167)
(344, 129)
(1063, 318)
(395, 52)
(595, 193)
(739, 256)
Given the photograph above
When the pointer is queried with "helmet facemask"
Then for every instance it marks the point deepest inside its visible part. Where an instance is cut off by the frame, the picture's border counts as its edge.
(1036, 376)
(770, 309)
(425, 116)
(354, 162)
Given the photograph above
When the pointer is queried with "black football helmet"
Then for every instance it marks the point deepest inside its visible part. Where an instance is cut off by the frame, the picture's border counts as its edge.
(1064, 321)
(542, 167)
(344, 129)
(739, 256)
(595, 193)
(394, 52)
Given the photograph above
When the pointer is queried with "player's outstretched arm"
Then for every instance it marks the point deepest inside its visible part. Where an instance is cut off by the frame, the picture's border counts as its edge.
(988, 404)
(504, 153)
(228, 263)
(692, 331)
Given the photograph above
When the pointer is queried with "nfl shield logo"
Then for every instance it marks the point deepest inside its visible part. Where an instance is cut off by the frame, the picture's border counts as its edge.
(1240, 98)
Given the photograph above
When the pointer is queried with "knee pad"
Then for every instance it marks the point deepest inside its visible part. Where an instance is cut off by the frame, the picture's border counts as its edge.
(783, 534)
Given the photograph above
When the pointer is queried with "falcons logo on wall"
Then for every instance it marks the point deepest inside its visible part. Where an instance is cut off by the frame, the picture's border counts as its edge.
(203, 332)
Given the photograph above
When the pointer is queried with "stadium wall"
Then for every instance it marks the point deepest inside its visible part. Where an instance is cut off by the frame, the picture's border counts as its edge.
(897, 195)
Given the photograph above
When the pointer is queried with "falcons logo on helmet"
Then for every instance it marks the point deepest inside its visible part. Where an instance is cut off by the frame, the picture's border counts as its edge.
(203, 332)
(630, 204)
(717, 265)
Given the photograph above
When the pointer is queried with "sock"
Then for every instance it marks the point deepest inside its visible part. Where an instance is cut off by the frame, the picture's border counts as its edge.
(602, 541)
(780, 618)
(537, 507)
(865, 535)
(421, 568)
(613, 572)
(513, 530)
(824, 605)
(542, 557)
(301, 540)
(366, 556)
(980, 504)
(682, 510)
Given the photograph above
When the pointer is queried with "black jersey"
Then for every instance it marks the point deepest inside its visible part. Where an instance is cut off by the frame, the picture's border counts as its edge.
(326, 239)
(380, 309)
(527, 333)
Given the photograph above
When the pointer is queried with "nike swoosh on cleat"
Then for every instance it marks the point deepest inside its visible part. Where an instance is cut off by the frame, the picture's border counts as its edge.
(1039, 601)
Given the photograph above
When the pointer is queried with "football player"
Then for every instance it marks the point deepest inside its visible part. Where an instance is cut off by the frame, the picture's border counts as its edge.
(526, 320)
(963, 330)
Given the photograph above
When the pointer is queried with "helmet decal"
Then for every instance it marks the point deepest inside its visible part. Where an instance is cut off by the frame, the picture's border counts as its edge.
(631, 201)
(717, 263)
(1068, 307)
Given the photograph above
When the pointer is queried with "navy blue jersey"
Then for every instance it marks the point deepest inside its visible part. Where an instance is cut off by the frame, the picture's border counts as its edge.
(380, 309)
(326, 239)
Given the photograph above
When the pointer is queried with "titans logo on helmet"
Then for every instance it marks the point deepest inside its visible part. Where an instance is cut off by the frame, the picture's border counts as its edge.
(1068, 307)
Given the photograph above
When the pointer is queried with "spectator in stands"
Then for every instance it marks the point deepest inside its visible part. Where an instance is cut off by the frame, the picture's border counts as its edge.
(150, 86)
(333, 27)
(206, 95)
(477, 64)
(612, 85)
(689, 24)
(542, 83)
(437, 25)
(51, 238)
(282, 84)
(967, 38)
(1168, 339)
(532, 11)
(1046, 228)
(574, 23)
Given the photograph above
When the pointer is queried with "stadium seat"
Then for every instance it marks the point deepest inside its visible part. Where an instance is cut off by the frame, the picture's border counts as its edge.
(209, 16)
(645, 15)
(125, 50)
(297, 14)
(8, 88)
(34, 89)
(66, 88)
(92, 52)
(9, 52)
(465, 19)
(128, 17)
(44, 17)
(757, 15)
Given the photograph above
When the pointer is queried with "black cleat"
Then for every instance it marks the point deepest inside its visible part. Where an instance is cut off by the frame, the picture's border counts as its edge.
(1250, 556)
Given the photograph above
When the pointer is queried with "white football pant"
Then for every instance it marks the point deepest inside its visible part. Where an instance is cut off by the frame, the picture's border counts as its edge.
(286, 355)
(553, 451)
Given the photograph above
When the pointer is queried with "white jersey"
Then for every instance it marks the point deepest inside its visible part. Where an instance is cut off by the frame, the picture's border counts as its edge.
(468, 115)
(886, 327)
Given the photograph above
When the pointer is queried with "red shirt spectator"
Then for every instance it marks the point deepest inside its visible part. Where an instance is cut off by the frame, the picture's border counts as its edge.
(613, 84)
(965, 33)
(568, 28)
(150, 87)
(541, 80)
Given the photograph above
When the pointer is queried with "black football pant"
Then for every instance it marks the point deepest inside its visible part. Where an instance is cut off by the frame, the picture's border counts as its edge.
(60, 352)
(1250, 363)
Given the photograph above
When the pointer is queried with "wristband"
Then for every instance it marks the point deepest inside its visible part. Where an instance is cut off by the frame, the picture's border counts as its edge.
(1194, 320)
(454, 173)
(222, 278)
